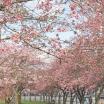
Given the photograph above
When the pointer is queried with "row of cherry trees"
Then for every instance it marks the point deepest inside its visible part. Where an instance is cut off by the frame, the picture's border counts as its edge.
(80, 75)
(78, 72)
(77, 66)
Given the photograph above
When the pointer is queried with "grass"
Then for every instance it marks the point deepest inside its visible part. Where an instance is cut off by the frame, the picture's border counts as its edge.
(27, 102)
(2, 102)
(32, 102)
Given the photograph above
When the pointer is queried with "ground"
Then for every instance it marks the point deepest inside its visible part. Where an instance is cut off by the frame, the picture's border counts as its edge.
(27, 102)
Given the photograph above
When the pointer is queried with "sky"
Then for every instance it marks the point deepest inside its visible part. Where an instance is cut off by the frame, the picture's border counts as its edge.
(31, 4)
(65, 35)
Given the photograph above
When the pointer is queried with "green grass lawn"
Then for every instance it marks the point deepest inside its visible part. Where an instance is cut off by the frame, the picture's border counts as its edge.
(27, 102)
(2, 102)
(32, 102)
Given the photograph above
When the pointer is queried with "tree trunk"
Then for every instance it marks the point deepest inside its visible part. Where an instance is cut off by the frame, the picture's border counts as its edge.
(76, 100)
(80, 94)
(43, 97)
(81, 101)
(65, 94)
(18, 97)
(64, 100)
(59, 98)
(96, 101)
(72, 98)
(55, 97)
(51, 96)
(35, 97)
(48, 98)
(30, 97)
(7, 100)
(90, 100)
(98, 93)
(40, 97)
(71, 101)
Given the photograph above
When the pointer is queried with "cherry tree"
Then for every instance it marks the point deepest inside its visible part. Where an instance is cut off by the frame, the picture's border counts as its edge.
(90, 24)
(30, 26)
(79, 72)
(17, 67)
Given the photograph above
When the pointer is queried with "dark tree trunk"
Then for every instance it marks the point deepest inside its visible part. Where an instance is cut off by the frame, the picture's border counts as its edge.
(72, 97)
(81, 101)
(98, 92)
(80, 93)
(90, 100)
(59, 98)
(43, 97)
(65, 94)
